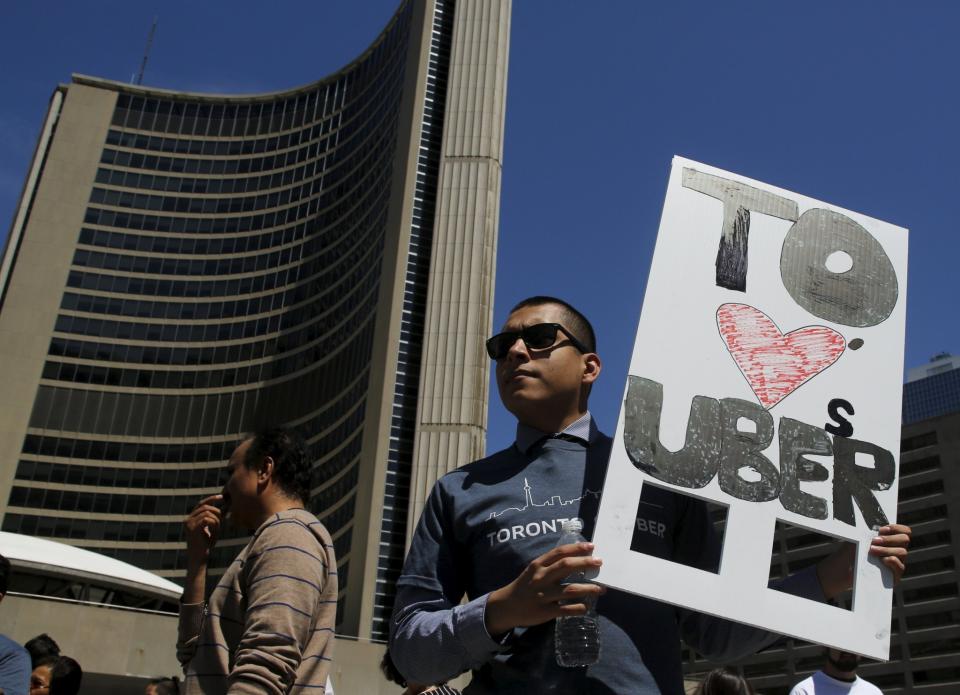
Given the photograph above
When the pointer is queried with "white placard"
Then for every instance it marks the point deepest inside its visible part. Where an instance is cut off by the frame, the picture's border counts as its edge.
(772, 329)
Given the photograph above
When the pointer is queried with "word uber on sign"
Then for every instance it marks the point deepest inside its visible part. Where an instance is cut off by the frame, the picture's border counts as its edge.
(766, 383)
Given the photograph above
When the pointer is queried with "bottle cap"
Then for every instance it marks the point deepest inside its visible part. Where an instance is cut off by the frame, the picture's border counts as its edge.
(572, 525)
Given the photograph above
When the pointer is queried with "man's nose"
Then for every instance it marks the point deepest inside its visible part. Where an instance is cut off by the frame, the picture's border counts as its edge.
(518, 349)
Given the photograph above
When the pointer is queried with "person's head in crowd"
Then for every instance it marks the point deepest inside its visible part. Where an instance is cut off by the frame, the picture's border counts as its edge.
(720, 681)
(390, 672)
(42, 675)
(41, 647)
(266, 465)
(841, 665)
(163, 686)
(56, 675)
(546, 363)
(4, 576)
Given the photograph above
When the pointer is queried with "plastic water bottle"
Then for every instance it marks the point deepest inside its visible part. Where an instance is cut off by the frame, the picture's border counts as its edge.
(576, 637)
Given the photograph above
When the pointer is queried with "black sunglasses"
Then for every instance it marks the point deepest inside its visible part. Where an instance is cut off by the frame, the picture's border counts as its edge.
(539, 336)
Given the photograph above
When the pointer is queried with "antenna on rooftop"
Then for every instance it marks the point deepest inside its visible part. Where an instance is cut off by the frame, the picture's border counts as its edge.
(146, 52)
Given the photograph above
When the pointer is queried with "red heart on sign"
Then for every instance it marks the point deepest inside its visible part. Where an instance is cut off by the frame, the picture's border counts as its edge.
(775, 365)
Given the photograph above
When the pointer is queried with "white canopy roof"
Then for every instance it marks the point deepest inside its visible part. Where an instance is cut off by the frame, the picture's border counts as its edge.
(25, 550)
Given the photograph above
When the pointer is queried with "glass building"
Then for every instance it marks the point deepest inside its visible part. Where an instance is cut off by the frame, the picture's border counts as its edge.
(932, 389)
(184, 268)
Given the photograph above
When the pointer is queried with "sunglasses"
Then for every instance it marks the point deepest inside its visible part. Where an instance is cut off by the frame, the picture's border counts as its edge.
(539, 336)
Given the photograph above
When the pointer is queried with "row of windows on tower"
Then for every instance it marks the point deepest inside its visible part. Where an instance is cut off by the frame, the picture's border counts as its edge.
(371, 120)
(324, 251)
(182, 288)
(152, 504)
(141, 378)
(106, 476)
(345, 434)
(348, 211)
(336, 247)
(91, 530)
(175, 266)
(355, 307)
(218, 185)
(335, 181)
(331, 130)
(214, 246)
(325, 278)
(382, 65)
(170, 414)
(298, 310)
(210, 378)
(214, 453)
(131, 452)
(227, 119)
(150, 501)
(101, 328)
(219, 354)
(148, 354)
(330, 343)
(318, 133)
(179, 311)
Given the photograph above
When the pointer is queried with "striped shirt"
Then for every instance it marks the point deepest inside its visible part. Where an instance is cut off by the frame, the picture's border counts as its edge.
(268, 625)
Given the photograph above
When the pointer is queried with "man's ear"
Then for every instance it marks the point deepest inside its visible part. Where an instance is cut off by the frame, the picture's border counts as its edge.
(265, 472)
(591, 367)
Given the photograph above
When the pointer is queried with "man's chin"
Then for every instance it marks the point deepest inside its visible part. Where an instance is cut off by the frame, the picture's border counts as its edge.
(845, 662)
(518, 404)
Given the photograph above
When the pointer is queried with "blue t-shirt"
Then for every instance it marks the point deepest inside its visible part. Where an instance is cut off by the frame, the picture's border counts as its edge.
(14, 667)
(483, 524)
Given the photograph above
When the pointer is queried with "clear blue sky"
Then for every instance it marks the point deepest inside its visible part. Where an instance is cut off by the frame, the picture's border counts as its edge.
(855, 103)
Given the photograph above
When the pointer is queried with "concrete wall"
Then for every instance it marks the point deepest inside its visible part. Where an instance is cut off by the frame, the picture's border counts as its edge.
(38, 274)
(105, 640)
(454, 373)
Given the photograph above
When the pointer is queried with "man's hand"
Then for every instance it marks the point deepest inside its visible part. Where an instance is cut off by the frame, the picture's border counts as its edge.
(890, 545)
(202, 528)
(537, 595)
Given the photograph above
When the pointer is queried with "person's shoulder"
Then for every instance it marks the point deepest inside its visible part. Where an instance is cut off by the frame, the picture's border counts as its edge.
(293, 524)
(12, 650)
(804, 687)
(601, 441)
(864, 687)
(505, 457)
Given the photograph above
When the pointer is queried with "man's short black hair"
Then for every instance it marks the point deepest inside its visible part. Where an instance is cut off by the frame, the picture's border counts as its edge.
(65, 676)
(390, 670)
(40, 647)
(4, 575)
(573, 320)
(291, 464)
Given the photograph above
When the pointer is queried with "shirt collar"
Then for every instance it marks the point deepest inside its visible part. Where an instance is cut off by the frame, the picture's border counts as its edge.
(583, 429)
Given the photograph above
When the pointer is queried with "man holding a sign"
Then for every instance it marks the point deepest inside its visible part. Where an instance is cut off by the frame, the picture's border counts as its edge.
(489, 529)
